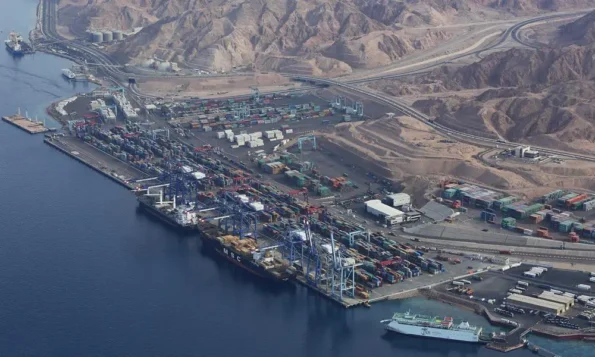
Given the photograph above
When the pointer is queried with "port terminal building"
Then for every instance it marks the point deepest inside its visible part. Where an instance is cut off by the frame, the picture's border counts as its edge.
(567, 301)
(536, 303)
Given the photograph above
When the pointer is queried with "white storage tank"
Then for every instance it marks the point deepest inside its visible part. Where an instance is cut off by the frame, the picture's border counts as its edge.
(148, 63)
(164, 66)
(108, 36)
(97, 37)
(118, 35)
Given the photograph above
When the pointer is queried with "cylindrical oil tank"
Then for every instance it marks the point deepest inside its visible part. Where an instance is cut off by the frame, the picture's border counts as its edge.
(89, 35)
(118, 35)
(108, 36)
(97, 37)
(164, 66)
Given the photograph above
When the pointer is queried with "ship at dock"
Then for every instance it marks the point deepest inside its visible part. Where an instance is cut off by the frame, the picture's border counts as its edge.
(182, 217)
(16, 45)
(68, 74)
(433, 327)
(245, 253)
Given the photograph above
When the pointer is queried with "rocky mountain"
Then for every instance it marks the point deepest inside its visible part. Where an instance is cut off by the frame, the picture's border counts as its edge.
(543, 97)
(561, 114)
(580, 32)
(309, 36)
(513, 68)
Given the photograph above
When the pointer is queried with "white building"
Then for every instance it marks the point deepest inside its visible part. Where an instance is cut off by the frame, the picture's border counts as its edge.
(389, 214)
(398, 200)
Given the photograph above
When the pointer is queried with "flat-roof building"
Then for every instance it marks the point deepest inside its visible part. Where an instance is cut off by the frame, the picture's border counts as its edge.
(389, 214)
(561, 299)
(537, 304)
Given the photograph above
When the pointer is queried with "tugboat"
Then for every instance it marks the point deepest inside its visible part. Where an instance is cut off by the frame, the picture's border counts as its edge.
(16, 45)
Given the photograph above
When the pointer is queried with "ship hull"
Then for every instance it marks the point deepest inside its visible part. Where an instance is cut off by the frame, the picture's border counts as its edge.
(13, 51)
(240, 261)
(429, 332)
(154, 212)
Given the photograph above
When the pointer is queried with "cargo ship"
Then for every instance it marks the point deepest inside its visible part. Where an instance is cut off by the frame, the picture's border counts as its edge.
(433, 327)
(246, 254)
(181, 217)
(16, 45)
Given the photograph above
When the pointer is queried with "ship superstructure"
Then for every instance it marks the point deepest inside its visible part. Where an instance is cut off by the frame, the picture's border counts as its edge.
(432, 327)
(16, 45)
(181, 216)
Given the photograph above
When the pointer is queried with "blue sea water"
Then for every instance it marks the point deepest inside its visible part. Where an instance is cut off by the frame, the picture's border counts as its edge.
(83, 274)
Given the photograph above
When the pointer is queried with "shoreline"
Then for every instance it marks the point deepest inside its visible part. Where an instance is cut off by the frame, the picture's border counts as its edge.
(468, 305)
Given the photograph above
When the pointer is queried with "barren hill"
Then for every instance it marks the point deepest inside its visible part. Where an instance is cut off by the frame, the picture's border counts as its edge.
(580, 32)
(309, 36)
(512, 68)
(543, 97)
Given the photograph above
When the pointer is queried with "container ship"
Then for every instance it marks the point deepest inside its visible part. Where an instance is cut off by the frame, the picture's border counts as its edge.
(16, 45)
(181, 217)
(433, 327)
(246, 254)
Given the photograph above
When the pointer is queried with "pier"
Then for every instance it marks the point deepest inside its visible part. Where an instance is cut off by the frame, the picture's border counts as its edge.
(29, 125)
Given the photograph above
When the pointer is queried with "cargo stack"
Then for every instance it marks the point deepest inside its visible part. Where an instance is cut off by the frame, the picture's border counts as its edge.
(576, 202)
(554, 195)
(562, 200)
(588, 205)
(449, 193)
(488, 216)
(508, 223)
(499, 204)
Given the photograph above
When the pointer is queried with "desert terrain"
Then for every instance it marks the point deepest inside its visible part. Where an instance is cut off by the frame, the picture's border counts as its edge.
(319, 37)
(544, 97)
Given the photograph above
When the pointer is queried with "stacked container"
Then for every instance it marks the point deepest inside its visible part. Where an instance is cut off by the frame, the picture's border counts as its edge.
(508, 223)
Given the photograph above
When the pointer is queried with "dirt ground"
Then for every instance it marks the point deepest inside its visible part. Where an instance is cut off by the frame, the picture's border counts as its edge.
(408, 150)
(215, 87)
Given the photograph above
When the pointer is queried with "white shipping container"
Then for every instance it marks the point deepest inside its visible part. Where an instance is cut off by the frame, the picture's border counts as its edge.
(593, 274)
(458, 283)
(592, 280)
(228, 131)
(230, 139)
(583, 287)
(522, 283)
(220, 135)
(289, 131)
(529, 274)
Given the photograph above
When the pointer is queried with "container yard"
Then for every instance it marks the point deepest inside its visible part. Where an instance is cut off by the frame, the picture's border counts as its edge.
(177, 182)
(558, 215)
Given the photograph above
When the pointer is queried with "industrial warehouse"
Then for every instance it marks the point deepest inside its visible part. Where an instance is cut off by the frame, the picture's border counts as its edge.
(537, 303)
